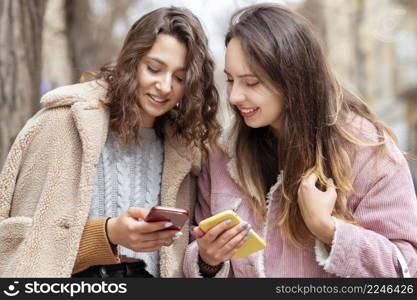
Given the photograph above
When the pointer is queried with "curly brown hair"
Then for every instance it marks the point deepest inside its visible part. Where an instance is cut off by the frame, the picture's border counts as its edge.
(195, 119)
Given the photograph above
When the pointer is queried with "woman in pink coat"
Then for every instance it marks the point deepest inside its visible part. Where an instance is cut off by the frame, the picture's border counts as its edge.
(306, 164)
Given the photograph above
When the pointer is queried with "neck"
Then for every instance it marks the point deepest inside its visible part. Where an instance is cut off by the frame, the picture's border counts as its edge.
(277, 127)
(147, 122)
(276, 132)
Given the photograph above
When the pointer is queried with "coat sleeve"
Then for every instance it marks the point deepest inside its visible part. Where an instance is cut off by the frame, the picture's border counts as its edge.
(202, 211)
(14, 229)
(385, 206)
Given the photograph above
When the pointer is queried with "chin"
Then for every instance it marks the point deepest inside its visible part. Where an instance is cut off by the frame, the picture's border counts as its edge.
(155, 113)
(253, 125)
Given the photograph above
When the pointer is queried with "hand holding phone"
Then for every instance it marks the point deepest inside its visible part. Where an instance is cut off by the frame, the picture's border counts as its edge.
(176, 216)
(254, 242)
(126, 231)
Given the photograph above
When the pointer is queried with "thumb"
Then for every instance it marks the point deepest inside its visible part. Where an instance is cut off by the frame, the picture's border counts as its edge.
(198, 232)
(137, 213)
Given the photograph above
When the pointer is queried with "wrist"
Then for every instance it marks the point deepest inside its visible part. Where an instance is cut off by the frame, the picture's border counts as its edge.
(325, 229)
(107, 230)
(208, 270)
(208, 261)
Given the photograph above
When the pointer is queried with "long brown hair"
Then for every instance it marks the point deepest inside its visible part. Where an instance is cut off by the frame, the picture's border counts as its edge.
(281, 46)
(194, 119)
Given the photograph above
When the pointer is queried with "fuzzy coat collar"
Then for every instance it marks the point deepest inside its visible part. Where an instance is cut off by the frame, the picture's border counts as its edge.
(227, 143)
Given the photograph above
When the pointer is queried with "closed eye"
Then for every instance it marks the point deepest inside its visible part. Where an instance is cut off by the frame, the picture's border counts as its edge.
(179, 79)
(152, 70)
(252, 83)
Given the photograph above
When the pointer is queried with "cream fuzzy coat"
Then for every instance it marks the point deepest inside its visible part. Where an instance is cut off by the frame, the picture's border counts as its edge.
(46, 185)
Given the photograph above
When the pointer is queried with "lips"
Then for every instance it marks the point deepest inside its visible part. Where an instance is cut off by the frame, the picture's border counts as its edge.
(157, 100)
(248, 112)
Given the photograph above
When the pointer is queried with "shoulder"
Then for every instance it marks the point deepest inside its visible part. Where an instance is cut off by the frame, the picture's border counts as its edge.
(58, 109)
(92, 91)
(82, 104)
(367, 137)
(361, 128)
(380, 176)
(375, 166)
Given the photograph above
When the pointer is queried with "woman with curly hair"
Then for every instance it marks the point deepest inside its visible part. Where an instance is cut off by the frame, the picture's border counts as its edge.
(84, 171)
(306, 164)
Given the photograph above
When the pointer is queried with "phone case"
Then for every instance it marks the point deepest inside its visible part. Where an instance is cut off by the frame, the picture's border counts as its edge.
(252, 245)
(177, 216)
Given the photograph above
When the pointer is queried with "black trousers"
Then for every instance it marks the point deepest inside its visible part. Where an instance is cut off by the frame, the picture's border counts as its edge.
(122, 270)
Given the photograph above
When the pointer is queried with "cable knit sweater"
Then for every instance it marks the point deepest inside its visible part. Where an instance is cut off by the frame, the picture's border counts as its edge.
(129, 177)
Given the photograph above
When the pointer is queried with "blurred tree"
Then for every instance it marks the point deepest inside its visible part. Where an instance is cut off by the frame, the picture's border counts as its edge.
(314, 11)
(91, 32)
(407, 79)
(20, 60)
(56, 65)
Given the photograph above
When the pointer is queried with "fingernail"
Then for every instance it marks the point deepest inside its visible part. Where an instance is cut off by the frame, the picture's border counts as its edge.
(247, 232)
(169, 224)
(228, 222)
(244, 225)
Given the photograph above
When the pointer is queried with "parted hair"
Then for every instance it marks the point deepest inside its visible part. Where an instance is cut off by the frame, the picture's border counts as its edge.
(281, 46)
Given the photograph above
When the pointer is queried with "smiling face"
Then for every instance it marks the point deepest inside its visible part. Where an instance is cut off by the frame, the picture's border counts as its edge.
(258, 102)
(161, 76)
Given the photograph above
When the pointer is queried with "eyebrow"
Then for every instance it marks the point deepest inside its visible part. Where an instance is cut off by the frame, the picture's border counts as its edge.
(242, 75)
(183, 69)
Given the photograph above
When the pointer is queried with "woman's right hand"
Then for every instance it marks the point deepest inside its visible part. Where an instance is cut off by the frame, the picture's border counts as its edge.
(140, 236)
(221, 242)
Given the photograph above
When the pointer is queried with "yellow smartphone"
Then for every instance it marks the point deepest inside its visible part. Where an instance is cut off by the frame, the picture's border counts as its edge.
(252, 245)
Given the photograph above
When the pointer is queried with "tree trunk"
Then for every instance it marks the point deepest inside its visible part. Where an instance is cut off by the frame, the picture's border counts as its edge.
(78, 17)
(20, 66)
(90, 31)
(314, 11)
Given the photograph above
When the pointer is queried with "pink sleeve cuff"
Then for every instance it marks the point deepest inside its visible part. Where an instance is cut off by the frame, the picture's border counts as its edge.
(191, 268)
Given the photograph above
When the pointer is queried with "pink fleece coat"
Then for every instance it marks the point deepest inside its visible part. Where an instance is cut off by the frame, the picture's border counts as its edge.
(384, 203)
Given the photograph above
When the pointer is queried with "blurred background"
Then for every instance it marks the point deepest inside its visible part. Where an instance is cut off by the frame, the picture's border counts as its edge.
(371, 45)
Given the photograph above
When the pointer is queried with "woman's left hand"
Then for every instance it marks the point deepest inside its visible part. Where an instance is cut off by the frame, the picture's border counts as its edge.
(316, 208)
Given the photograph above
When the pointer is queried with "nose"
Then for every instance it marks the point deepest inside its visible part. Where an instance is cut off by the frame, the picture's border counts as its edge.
(236, 95)
(164, 84)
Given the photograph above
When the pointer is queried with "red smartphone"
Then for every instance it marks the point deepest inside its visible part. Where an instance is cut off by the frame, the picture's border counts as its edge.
(175, 215)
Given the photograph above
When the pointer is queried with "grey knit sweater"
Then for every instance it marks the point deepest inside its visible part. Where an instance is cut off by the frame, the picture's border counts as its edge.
(128, 177)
